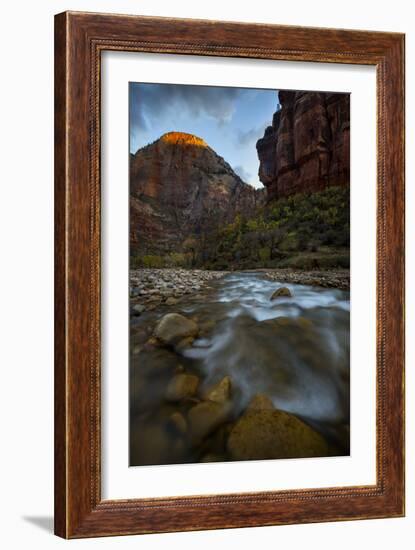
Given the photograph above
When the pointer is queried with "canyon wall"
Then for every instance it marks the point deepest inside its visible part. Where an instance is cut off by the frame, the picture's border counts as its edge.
(307, 147)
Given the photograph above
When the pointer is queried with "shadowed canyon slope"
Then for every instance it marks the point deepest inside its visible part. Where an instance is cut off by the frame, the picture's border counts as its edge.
(306, 149)
(179, 186)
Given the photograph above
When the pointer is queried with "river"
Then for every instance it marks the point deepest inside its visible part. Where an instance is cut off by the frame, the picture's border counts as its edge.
(294, 349)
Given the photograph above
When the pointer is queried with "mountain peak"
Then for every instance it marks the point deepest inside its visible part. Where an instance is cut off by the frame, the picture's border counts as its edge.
(183, 138)
(179, 186)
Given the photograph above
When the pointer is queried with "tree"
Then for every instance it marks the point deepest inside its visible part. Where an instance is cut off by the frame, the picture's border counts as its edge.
(190, 246)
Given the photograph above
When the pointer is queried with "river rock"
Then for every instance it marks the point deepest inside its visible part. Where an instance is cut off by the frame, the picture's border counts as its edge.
(138, 309)
(220, 392)
(182, 386)
(184, 344)
(262, 434)
(281, 292)
(174, 327)
(171, 301)
(260, 402)
(151, 344)
(154, 299)
(205, 417)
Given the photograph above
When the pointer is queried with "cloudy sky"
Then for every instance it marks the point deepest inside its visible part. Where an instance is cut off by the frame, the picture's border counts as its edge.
(230, 120)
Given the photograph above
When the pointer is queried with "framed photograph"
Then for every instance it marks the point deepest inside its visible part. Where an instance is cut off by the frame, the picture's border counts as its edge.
(229, 275)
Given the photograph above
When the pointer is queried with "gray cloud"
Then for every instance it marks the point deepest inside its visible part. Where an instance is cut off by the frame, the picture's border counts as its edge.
(251, 136)
(243, 174)
(150, 102)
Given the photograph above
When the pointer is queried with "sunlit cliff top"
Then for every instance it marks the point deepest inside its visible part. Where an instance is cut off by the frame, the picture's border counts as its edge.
(182, 137)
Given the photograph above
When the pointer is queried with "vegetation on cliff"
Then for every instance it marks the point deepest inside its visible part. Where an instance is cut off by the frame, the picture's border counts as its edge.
(302, 231)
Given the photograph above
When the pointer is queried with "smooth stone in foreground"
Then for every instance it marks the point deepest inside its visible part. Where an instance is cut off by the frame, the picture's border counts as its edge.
(260, 402)
(266, 434)
(220, 392)
(174, 327)
(182, 386)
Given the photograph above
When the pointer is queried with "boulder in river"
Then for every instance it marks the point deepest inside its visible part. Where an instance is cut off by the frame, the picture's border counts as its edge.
(260, 402)
(220, 392)
(182, 386)
(263, 434)
(282, 292)
(174, 327)
(205, 417)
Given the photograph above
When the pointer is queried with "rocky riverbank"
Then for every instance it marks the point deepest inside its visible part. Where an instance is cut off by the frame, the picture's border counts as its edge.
(332, 278)
(150, 288)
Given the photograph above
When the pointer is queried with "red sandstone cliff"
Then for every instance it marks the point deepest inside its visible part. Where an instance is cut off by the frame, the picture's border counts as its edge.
(180, 187)
(307, 148)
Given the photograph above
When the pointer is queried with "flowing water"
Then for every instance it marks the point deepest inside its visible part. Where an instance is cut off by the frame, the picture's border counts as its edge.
(294, 349)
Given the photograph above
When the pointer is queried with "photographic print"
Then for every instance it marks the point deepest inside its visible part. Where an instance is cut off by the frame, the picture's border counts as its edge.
(239, 274)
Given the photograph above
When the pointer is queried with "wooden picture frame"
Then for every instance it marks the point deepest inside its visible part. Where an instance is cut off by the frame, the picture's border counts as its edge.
(79, 40)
